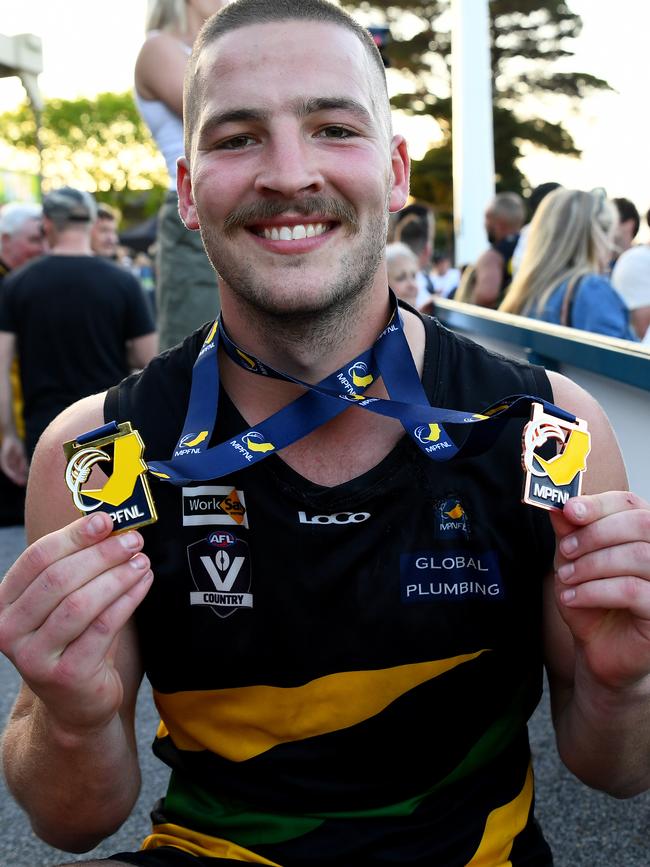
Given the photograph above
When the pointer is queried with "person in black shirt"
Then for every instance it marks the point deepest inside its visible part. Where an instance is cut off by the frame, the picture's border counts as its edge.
(79, 322)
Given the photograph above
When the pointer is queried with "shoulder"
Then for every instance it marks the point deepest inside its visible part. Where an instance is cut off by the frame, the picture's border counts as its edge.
(49, 504)
(491, 256)
(605, 467)
(473, 372)
(155, 399)
(632, 267)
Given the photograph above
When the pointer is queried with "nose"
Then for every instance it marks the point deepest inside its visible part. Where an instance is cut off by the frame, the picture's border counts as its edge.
(289, 167)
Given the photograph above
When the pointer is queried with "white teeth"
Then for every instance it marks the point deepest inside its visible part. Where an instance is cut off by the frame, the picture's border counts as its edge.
(295, 233)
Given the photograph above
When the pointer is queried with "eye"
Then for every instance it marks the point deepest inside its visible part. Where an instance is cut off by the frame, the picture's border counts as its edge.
(237, 142)
(336, 132)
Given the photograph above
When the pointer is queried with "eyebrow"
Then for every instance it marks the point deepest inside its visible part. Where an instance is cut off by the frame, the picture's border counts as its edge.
(301, 108)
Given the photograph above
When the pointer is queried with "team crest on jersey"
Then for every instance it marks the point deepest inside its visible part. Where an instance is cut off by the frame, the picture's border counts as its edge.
(451, 519)
(221, 573)
(214, 505)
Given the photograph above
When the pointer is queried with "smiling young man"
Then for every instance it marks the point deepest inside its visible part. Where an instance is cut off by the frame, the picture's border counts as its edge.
(345, 639)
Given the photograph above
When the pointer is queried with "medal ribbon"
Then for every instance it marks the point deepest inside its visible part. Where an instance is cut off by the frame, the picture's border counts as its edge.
(390, 357)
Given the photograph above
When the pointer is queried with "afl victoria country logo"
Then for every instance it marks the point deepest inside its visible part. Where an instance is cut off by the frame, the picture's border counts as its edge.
(221, 573)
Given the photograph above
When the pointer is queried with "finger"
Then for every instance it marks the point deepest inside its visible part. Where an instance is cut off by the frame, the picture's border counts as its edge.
(625, 592)
(632, 558)
(60, 580)
(47, 550)
(94, 644)
(615, 529)
(588, 508)
(78, 611)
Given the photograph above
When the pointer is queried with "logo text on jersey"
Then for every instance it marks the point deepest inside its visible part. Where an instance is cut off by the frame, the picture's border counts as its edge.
(450, 575)
(336, 518)
(214, 505)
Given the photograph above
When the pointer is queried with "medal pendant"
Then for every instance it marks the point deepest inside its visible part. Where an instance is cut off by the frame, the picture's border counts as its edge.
(125, 495)
(551, 481)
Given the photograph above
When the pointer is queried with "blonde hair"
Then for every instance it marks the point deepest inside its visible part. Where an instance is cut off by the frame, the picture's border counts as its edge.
(399, 250)
(166, 15)
(570, 235)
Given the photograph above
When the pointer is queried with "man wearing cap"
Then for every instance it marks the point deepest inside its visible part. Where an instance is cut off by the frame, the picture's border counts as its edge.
(344, 636)
(80, 324)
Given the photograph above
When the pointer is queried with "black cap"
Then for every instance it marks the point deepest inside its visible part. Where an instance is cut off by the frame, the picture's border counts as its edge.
(69, 204)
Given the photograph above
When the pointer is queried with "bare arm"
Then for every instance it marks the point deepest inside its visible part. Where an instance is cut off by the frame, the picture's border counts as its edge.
(141, 350)
(69, 747)
(489, 274)
(597, 618)
(159, 71)
(13, 458)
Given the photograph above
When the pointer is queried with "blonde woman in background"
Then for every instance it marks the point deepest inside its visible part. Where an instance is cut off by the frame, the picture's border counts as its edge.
(561, 278)
(402, 266)
(186, 286)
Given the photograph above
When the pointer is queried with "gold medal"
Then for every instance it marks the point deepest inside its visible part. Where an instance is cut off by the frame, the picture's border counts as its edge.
(551, 481)
(125, 495)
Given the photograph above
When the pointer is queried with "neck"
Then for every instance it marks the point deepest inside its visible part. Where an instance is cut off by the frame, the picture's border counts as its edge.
(306, 345)
(71, 243)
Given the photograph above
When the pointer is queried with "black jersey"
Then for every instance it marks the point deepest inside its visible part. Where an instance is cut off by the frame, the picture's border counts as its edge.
(344, 675)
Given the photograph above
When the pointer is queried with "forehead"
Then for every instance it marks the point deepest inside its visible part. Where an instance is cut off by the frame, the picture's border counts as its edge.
(402, 261)
(29, 227)
(274, 63)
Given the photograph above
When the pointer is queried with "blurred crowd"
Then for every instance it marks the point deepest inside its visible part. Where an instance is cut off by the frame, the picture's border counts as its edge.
(567, 257)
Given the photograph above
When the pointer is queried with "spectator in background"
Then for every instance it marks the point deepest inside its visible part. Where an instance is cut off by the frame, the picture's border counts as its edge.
(21, 239)
(402, 266)
(444, 277)
(534, 201)
(104, 239)
(631, 279)
(96, 329)
(629, 222)
(561, 276)
(415, 232)
(21, 235)
(186, 285)
(492, 274)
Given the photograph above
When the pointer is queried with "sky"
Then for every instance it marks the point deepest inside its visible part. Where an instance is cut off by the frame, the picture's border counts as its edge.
(90, 47)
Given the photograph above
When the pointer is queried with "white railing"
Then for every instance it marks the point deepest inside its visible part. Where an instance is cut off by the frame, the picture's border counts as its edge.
(615, 372)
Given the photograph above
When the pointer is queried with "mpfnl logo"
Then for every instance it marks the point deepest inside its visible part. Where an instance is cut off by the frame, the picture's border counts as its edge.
(551, 481)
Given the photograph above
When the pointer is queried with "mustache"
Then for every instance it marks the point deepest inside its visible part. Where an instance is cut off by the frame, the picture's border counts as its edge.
(338, 210)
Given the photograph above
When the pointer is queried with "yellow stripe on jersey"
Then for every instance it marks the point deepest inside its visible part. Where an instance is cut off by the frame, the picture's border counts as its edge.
(501, 828)
(246, 721)
(196, 843)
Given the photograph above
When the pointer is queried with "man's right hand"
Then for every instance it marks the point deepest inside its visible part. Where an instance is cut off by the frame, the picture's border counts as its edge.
(62, 606)
(13, 459)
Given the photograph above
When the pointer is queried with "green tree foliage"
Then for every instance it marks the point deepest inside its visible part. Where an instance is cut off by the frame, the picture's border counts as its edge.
(528, 37)
(99, 144)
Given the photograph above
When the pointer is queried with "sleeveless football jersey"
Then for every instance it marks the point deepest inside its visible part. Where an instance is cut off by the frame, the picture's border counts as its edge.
(344, 675)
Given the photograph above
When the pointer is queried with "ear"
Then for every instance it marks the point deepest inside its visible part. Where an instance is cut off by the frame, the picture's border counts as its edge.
(186, 206)
(400, 174)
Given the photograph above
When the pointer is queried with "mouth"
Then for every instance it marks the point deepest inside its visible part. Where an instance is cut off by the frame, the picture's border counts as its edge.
(292, 232)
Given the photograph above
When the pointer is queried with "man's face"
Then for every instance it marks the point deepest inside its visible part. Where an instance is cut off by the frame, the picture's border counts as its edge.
(26, 243)
(292, 170)
(104, 238)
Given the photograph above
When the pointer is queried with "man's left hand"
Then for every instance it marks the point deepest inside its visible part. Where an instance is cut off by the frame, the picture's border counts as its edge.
(602, 583)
